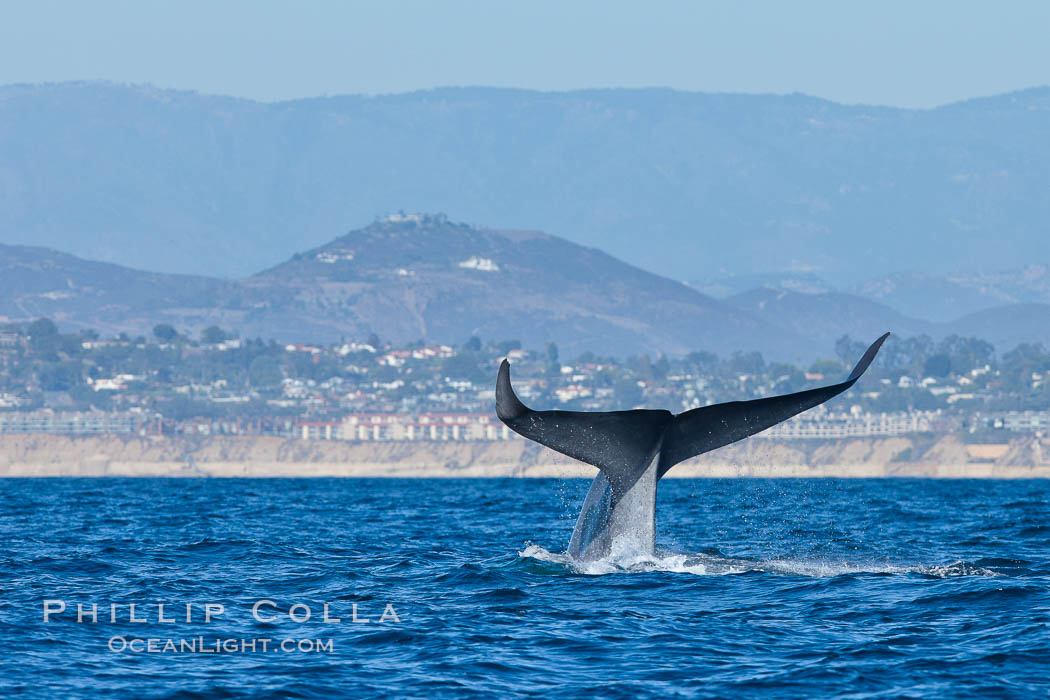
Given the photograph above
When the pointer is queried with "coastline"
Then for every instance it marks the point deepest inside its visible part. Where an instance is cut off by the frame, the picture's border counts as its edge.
(948, 456)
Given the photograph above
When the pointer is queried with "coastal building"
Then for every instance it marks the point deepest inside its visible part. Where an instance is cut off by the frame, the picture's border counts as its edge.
(76, 423)
(858, 424)
(424, 427)
(1023, 421)
(472, 427)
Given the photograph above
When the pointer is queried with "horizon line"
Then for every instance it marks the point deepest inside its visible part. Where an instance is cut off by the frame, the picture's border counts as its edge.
(504, 88)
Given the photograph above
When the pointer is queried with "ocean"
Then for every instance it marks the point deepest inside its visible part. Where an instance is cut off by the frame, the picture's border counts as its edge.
(450, 588)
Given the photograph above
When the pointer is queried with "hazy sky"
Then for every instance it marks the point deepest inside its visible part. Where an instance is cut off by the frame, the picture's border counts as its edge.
(915, 54)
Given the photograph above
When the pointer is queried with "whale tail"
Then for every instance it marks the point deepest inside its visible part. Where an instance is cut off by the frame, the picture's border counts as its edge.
(622, 444)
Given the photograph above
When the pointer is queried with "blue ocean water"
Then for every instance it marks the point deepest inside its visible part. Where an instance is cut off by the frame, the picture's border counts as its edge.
(782, 588)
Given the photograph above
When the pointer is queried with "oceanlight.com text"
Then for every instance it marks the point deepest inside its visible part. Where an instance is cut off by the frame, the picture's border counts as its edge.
(202, 645)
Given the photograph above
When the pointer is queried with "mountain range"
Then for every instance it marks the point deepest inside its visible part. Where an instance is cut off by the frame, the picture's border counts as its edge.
(939, 298)
(686, 185)
(425, 277)
(825, 316)
(945, 297)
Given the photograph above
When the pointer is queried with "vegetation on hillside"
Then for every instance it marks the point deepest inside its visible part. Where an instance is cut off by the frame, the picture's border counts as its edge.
(217, 374)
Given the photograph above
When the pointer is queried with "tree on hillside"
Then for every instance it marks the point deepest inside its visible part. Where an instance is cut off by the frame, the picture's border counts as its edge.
(553, 366)
(747, 362)
(265, 370)
(464, 365)
(1021, 365)
(505, 346)
(829, 368)
(42, 328)
(59, 376)
(966, 353)
(939, 365)
(701, 362)
(628, 394)
(165, 333)
(213, 335)
(43, 336)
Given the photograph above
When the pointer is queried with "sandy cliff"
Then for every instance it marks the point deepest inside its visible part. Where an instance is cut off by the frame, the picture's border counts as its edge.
(946, 456)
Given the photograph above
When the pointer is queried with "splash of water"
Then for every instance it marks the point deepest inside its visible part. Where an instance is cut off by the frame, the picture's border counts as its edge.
(628, 560)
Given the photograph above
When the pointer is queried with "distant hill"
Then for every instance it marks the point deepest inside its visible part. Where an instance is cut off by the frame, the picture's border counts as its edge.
(825, 317)
(405, 278)
(424, 277)
(731, 285)
(691, 186)
(1006, 326)
(36, 282)
(915, 295)
(947, 297)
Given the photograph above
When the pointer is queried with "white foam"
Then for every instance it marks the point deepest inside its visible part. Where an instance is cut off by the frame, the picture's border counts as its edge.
(629, 561)
(958, 568)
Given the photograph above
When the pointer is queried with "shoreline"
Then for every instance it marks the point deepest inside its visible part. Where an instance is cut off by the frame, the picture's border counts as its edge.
(922, 456)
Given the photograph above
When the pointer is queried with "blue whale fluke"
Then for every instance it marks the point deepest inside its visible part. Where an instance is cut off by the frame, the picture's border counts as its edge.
(634, 449)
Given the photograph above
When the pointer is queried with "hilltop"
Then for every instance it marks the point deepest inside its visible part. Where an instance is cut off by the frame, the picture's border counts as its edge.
(405, 278)
(425, 277)
(419, 276)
